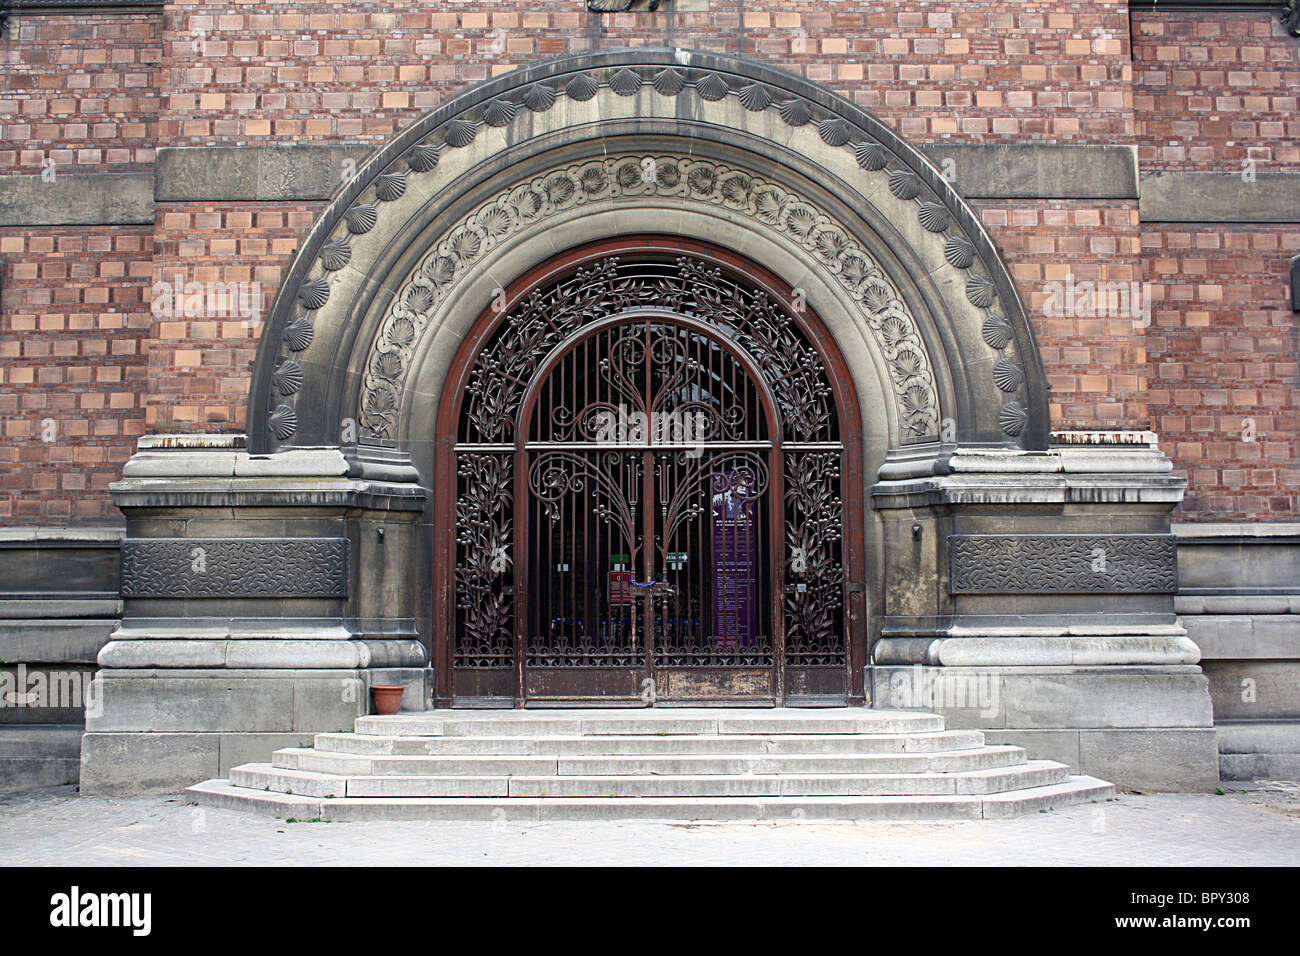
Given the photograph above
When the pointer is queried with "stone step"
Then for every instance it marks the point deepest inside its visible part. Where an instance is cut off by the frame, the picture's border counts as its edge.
(1080, 789)
(632, 764)
(923, 742)
(1033, 774)
(656, 721)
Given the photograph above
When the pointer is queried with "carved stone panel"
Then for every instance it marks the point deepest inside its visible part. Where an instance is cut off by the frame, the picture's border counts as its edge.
(766, 205)
(238, 567)
(1061, 563)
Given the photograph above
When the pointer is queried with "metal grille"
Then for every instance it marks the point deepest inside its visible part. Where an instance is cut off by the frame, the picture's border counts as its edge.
(661, 439)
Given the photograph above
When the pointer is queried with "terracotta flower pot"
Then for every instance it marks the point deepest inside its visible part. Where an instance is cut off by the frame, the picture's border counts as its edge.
(388, 697)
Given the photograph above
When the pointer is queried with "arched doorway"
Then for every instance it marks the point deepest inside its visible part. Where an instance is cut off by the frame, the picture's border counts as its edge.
(657, 465)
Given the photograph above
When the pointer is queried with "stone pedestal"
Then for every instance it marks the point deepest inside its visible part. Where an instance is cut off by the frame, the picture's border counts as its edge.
(262, 597)
(1030, 595)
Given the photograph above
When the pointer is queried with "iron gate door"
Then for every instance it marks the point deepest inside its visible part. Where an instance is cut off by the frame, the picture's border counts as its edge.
(649, 516)
(646, 507)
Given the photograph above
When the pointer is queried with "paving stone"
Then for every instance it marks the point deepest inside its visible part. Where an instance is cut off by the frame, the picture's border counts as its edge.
(1255, 827)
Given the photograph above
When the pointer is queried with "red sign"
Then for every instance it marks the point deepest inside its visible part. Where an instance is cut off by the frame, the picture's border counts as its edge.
(620, 587)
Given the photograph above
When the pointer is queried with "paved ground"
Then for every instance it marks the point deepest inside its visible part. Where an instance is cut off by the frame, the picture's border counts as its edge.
(1258, 825)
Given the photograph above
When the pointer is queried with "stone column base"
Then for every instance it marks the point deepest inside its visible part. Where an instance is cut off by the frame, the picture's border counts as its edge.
(1142, 728)
(161, 730)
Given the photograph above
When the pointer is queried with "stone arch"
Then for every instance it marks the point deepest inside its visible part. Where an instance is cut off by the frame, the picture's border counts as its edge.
(808, 185)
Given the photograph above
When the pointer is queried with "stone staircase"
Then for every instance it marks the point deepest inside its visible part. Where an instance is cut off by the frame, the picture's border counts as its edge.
(656, 764)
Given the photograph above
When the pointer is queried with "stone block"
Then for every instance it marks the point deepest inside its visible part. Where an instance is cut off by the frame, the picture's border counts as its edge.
(118, 764)
(1219, 196)
(1038, 170)
(1254, 689)
(1170, 759)
(77, 199)
(237, 749)
(200, 704)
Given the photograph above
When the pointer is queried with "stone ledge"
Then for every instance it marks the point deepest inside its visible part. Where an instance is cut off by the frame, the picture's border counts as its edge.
(1219, 196)
(258, 173)
(60, 537)
(980, 171)
(1037, 170)
(1217, 531)
(77, 199)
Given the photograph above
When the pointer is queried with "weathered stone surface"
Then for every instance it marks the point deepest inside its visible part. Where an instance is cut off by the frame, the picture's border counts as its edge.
(542, 776)
(1219, 196)
(136, 763)
(234, 567)
(1245, 636)
(978, 171)
(192, 704)
(1038, 170)
(237, 749)
(1054, 563)
(1162, 759)
(279, 172)
(39, 755)
(1254, 689)
(75, 199)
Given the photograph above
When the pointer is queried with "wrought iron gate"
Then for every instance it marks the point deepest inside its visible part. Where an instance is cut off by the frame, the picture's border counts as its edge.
(648, 505)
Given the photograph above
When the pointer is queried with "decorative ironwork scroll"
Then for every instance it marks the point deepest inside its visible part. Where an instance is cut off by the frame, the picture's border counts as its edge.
(788, 363)
(484, 574)
(814, 524)
(649, 544)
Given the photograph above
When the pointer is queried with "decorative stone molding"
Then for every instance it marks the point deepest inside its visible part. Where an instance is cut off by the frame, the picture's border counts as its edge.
(1062, 563)
(629, 177)
(887, 166)
(240, 567)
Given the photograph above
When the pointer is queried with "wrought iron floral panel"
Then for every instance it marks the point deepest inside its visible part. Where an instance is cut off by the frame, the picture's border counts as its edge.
(484, 577)
(650, 452)
(814, 522)
(788, 363)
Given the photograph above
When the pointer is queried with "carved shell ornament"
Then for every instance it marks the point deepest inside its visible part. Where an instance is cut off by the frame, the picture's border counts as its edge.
(934, 214)
(616, 178)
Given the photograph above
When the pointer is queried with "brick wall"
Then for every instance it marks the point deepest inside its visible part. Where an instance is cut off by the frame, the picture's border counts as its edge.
(312, 71)
(1093, 348)
(85, 346)
(1223, 367)
(82, 91)
(1219, 91)
(1215, 90)
(202, 342)
(74, 319)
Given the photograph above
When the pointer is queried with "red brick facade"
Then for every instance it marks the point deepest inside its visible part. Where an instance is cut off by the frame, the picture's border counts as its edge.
(97, 92)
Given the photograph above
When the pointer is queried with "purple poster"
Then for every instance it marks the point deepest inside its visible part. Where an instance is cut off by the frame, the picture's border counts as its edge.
(734, 563)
